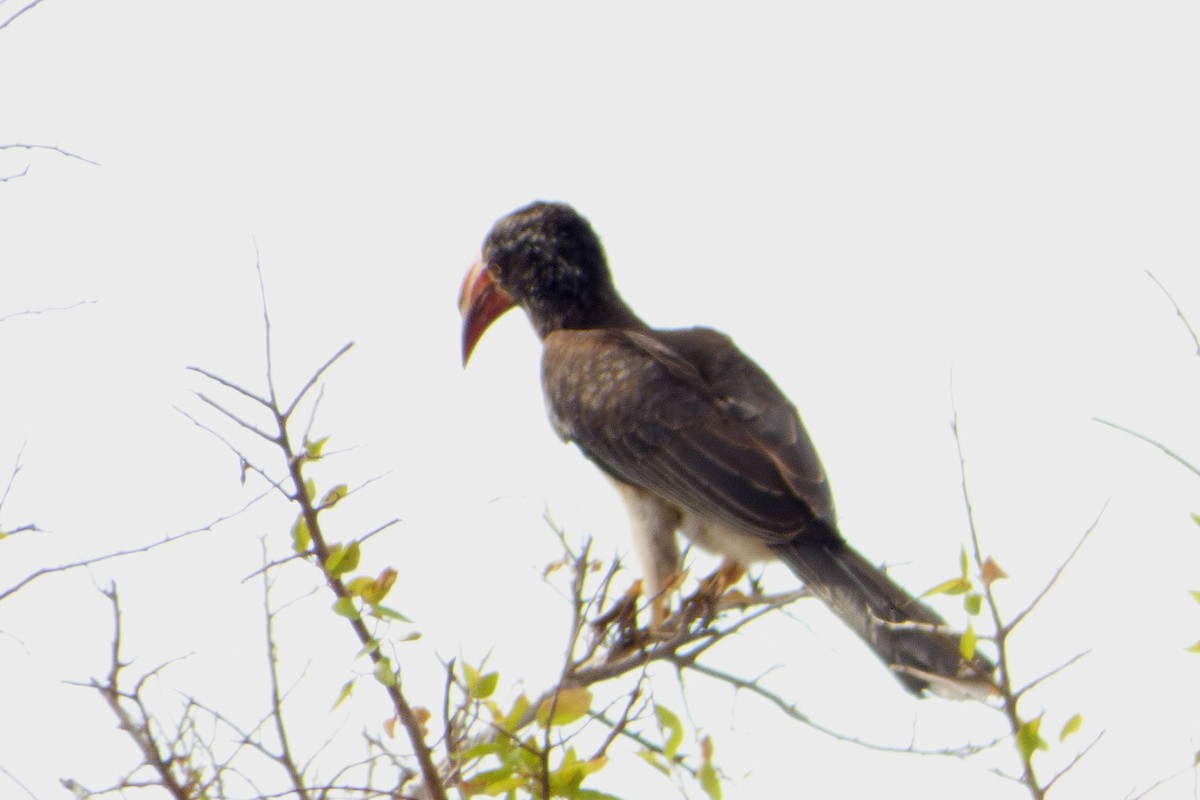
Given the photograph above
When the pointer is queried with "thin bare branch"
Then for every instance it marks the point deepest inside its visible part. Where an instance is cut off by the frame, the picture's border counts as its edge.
(315, 377)
(1071, 764)
(49, 310)
(15, 175)
(87, 562)
(1179, 312)
(265, 403)
(12, 475)
(246, 463)
(285, 756)
(794, 713)
(1062, 567)
(52, 147)
(262, 293)
(235, 418)
(1004, 683)
(17, 781)
(1018, 693)
(1192, 467)
(1158, 784)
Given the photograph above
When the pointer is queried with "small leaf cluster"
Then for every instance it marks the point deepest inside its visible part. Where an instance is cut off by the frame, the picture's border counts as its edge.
(509, 764)
(666, 760)
(976, 592)
(973, 596)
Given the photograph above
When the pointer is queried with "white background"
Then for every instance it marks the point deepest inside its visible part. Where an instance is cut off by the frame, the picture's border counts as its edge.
(892, 206)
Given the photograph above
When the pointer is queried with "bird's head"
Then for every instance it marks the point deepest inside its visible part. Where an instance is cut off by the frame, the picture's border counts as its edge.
(546, 258)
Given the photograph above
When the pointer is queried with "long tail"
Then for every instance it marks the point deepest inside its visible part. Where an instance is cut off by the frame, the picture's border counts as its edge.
(906, 634)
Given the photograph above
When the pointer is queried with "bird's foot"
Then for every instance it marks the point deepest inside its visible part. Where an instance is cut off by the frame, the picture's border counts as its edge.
(715, 593)
(619, 625)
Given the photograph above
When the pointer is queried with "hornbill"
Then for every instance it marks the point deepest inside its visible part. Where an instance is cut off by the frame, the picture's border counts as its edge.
(697, 439)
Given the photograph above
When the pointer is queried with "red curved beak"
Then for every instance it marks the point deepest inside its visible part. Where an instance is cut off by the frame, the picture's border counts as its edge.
(481, 302)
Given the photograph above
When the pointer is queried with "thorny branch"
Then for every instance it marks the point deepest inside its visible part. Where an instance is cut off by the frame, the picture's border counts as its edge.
(10, 20)
(295, 486)
(22, 146)
(172, 766)
(50, 310)
(1010, 697)
(87, 562)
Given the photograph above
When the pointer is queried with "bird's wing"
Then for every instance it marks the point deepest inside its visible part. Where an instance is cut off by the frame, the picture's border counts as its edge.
(687, 416)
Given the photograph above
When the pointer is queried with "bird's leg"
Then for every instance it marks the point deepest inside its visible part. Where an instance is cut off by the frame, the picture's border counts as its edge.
(653, 523)
(661, 623)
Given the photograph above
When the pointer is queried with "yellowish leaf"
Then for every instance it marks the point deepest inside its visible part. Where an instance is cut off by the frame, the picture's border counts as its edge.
(1071, 726)
(966, 645)
(335, 494)
(1029, 739)
(344, 607)
(301, 538)
(345, 693)
(564, 707)
(671, 727)
(710, 782)
(952, 586)
(380, 587)
(384, 673)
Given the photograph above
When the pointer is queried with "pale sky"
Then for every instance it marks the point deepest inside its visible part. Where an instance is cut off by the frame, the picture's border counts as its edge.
(894, 208)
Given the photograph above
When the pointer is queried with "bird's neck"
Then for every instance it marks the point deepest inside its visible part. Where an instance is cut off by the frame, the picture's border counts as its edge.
(612, 313)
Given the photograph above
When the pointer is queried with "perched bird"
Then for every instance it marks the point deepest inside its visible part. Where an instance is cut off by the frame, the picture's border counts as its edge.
(697, 439)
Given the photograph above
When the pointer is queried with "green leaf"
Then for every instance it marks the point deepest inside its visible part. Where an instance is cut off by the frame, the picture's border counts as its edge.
(1029, 739)
(335, 494)
(566, 780)
(313, 449)
(493, 782)
(370, 647)
(360, 585)
(964, 565)
(353, 554)
(1195, 595)
(709, 781)
(383, 612)
(310, 489)
(952, 586)
(384, 673)
(480, 687)
(486, 686)
(1196, 518)
(670, 725)
(344, 607)
(379, 588)
(966, 645)
(345, 693)
(519, 709)
(973, 602)
(529, 756)
(337, 552)
(1194, 648)
(301, 538)
(342, 559)
(1072, 726)
(564, 707)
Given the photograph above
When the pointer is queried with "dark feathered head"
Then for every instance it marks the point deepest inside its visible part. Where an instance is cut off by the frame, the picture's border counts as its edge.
(547, 259)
